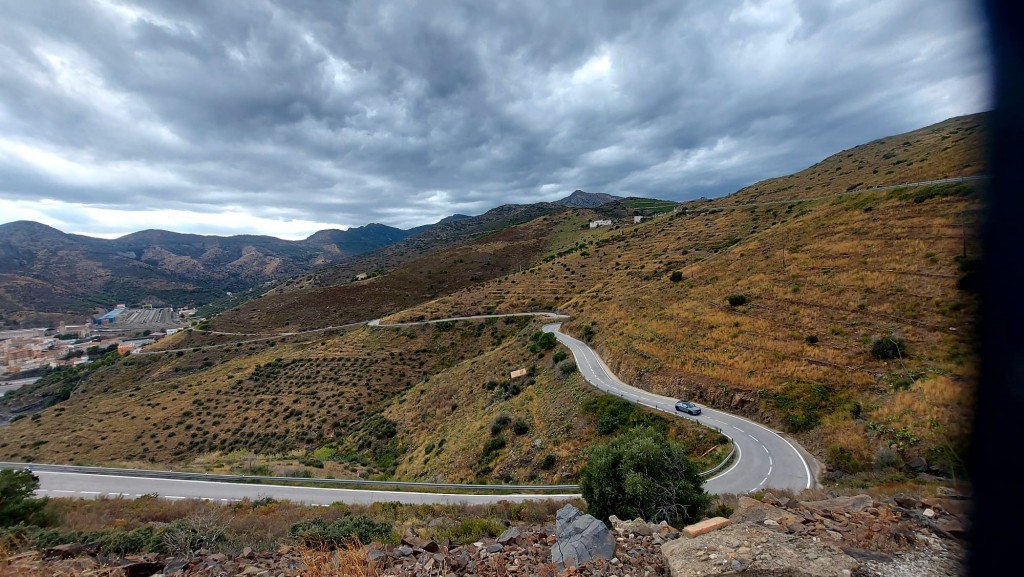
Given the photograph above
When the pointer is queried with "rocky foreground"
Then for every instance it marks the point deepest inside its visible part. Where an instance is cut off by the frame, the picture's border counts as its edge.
(842, 536)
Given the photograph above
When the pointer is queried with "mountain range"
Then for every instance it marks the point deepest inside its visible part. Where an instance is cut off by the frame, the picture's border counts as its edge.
(47, 275)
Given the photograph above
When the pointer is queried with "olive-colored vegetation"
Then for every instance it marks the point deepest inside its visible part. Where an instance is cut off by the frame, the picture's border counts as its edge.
(786, 288)
(820, 254)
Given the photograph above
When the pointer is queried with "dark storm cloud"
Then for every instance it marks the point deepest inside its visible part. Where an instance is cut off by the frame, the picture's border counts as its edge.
(399, 112)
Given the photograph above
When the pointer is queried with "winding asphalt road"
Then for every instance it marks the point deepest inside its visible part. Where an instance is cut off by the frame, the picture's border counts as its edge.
(764, 459)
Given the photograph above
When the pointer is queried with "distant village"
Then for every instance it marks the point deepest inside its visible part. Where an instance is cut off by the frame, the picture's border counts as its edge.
(24, 352)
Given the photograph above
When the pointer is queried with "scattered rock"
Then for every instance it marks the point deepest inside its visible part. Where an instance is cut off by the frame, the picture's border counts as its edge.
(754, 511)
(580, 539)
(141, 568)
(70, 550)
(636, 526)
(865, 555)
(509, 536)
(706, 526)
(949, 493)
(907, 501)
(918, 464)
(854, 504)
(768, 553)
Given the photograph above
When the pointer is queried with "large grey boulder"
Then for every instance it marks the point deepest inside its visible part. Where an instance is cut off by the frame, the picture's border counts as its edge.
(581, 539)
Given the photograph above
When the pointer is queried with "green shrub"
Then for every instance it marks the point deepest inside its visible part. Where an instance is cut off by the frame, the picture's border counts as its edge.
(558, 357)
(548, 462)
(567, 367)
(811, 339)
(541, 341)
(737, 300)
(470, 531)
(319, 533)
(491, 448)
(615, 415)
(721, 510)
(676, 276)
(500, 423)
(198, 531)
(17, 497)
(803, 404)
(889, 348)
(887, 458)
(122, 543)
(520, 427)
(842, 459)
(643, 474)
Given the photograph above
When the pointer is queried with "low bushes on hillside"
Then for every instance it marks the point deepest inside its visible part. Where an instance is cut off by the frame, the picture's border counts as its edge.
(319, 533)
(615, 415)
(889, 348)
(737, 300)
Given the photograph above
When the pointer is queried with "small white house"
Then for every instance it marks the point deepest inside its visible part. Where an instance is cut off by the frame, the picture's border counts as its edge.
(637, 219)
(597, 223)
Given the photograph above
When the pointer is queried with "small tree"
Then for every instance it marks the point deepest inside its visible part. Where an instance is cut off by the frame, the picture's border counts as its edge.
(643, 474)
(889, 348)
(737, 300)
(541, 341)
(676, 276)
(17, 502)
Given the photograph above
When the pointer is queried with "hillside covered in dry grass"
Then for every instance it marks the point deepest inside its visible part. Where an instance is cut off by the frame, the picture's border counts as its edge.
(768, 302)
(820, 265)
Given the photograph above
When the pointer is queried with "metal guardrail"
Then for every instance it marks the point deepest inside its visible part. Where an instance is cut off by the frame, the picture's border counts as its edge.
(186, 476)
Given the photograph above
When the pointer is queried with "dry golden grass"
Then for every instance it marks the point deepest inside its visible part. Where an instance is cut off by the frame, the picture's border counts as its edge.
(352, 560)
(844, 269)
(933, 409)
(825, 272)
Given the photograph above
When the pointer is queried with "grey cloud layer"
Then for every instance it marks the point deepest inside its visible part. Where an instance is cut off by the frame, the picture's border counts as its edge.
(404, 112)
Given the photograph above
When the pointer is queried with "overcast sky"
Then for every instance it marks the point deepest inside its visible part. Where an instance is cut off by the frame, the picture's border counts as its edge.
(285, 117)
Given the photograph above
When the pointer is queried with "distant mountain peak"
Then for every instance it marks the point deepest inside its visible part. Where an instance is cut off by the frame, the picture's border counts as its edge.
(584, 199)
(453, 218)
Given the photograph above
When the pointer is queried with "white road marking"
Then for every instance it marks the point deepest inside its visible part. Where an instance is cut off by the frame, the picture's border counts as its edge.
(807, 468)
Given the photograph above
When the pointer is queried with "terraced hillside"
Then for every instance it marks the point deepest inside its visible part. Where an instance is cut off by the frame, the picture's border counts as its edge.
(774, 309)
(833, 309)
(428, 402)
